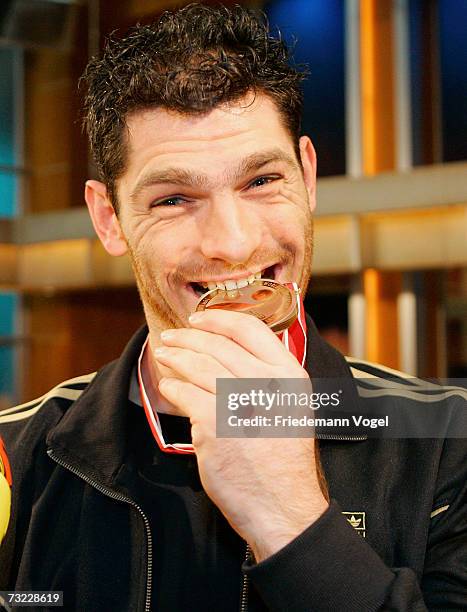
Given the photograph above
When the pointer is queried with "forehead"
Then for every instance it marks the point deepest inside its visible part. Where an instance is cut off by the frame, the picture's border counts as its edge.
(225, 133)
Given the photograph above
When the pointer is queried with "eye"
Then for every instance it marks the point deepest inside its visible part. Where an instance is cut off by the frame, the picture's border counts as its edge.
(172, 201)
(263, 180)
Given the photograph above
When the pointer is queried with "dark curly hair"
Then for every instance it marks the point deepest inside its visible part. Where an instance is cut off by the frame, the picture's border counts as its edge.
(189, 61)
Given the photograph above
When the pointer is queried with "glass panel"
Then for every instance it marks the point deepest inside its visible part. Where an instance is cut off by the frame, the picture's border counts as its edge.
(438, 60)
(421, 99)
(453, 63)
(8, 306)
(7, 152)
(318, 28)
(456, 322)
(8, 194)
(8, 208)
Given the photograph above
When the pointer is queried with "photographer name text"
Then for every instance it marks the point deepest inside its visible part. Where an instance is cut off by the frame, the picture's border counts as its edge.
(288, 421)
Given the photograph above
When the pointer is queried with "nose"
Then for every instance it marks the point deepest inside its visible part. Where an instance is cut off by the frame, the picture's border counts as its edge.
(231, 230)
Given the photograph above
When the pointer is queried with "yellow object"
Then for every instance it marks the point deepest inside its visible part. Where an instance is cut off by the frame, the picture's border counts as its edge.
(5, 503)
(5, 490)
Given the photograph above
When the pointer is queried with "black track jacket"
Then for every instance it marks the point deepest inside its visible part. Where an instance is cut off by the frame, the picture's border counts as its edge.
(394, 537)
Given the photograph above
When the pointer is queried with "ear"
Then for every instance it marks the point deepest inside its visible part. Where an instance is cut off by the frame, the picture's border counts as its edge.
(104, 218)
(308, 159)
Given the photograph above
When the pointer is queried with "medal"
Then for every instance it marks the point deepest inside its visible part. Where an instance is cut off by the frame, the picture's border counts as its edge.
(271, 302)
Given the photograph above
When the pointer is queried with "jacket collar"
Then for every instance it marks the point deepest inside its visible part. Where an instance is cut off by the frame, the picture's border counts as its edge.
(92, 433)
(322, 359)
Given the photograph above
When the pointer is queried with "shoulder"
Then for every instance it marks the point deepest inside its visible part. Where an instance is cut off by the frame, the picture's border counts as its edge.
(426, 414)
(383, 380)
(33, 419)
(434, 414)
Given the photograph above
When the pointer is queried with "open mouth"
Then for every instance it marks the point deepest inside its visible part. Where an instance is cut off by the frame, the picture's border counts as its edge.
(199, 288)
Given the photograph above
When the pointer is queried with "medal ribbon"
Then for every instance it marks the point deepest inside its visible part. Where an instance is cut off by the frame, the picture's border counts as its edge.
(153, 417)
(294, 338)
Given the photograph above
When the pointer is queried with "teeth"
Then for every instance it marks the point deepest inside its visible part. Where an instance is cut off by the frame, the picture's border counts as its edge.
(232, 285)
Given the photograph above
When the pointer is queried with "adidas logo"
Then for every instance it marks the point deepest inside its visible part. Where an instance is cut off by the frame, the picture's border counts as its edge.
(354, 521)
(357, 520)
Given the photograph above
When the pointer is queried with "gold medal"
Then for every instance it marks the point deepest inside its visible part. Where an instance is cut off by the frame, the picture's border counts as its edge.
(271, 302)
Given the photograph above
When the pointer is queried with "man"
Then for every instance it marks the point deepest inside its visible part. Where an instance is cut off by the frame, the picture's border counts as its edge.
(194, 125)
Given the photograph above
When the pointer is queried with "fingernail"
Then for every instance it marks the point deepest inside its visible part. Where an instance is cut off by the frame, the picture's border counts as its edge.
(167, 335)
(196, 317)
(160, 351)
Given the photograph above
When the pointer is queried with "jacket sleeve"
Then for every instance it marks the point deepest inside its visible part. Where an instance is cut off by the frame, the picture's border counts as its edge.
(330, 567)
(444, 581)
(24, 443)
(21, 503)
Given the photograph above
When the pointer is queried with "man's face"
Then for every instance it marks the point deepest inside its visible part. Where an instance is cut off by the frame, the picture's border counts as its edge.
(213, 199)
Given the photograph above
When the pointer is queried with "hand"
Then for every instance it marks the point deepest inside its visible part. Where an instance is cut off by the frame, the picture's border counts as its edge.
(267, 489)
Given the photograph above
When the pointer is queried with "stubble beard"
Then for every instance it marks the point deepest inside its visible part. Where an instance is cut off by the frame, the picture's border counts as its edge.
(308, 257)
(158, 311)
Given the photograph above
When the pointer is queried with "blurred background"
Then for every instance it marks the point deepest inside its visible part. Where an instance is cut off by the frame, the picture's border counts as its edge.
(386, 107)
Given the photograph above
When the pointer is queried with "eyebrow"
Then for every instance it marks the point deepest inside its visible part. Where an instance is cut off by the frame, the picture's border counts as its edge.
(186, 178)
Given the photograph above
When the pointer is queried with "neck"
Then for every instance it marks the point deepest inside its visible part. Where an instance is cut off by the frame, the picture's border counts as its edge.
(151, 375)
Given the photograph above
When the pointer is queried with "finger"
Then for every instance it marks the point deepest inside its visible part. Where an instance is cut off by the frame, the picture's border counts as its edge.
(192, 401)
(246, 330)
(239, 361)
(197, 368)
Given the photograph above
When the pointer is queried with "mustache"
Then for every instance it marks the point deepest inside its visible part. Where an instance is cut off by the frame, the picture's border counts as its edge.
(192, 270)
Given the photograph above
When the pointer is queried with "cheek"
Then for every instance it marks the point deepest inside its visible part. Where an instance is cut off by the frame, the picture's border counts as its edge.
(287, 220)
(167, 249)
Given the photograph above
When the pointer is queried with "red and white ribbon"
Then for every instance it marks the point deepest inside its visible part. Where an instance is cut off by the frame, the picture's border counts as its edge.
(294, 337)
(153, 418)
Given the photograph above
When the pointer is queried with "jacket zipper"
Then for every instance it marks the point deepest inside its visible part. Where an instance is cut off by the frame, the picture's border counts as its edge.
(339, 437)
(120, 497)
(123, 498)
(245, 582)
